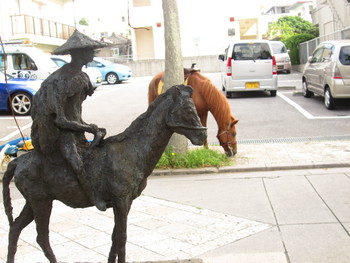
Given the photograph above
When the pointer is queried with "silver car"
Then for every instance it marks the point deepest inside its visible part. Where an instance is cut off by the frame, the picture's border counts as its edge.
(281, 54)
(327, 72)
(249, 66)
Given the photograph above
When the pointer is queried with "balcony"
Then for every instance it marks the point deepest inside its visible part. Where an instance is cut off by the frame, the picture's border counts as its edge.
(29, 25)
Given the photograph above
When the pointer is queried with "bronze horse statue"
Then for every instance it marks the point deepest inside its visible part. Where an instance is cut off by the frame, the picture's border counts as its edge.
(206, 98)
(119, 166)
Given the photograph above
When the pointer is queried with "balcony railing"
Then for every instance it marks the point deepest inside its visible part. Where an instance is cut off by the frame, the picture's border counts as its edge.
(24, 24)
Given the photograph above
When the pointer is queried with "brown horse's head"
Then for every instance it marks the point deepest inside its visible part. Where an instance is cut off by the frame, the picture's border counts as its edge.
(227, 137)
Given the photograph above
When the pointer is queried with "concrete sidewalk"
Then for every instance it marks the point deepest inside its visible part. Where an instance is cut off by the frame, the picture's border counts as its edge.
(267, 207)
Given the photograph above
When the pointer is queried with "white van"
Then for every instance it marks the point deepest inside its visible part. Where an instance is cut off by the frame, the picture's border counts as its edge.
(27, 62)
(249, 66)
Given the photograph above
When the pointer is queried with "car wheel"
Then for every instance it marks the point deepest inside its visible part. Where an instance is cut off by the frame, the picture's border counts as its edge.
(112, 78)
(273, 93)
(329, 101)
(21, 103)
(288, 71)
(306, 92)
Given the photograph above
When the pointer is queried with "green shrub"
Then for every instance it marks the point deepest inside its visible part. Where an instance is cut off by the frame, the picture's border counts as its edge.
(292, 43)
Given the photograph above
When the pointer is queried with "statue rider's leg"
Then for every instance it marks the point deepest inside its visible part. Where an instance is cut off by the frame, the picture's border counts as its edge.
(72, 156)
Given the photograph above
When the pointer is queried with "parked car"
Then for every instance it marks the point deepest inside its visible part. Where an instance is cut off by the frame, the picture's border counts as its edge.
(93, 73)
(113, 73)
(21, 93)
(249, 66)
(281, 54)
(27, 62)
(327, 72)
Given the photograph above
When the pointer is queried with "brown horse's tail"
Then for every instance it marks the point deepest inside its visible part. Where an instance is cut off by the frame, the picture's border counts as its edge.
(6, 180)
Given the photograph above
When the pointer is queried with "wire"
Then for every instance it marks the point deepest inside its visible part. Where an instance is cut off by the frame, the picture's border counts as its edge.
(4, 57)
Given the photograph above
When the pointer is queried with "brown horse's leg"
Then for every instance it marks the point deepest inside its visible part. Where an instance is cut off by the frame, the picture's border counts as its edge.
(119, 236)
(42, 211)
(24, 219)
(203, 119)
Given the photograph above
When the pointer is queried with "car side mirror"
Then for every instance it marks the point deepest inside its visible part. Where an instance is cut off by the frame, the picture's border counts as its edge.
(309, 59)
(221, 57)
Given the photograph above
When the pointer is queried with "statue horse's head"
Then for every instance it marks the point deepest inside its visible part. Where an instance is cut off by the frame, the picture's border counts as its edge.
(183, 117)
(227, 138)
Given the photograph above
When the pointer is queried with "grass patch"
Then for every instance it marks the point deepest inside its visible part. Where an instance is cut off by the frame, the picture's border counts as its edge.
(201, 157)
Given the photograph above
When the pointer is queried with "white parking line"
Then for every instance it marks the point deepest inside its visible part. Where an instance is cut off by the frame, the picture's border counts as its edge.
(13, 134)
(307, 114)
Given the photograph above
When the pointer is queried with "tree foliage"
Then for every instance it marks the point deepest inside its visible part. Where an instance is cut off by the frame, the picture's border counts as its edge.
(288, 26)
(83, 22)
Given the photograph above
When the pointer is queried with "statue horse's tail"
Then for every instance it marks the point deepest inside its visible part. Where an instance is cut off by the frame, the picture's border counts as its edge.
(6, 180)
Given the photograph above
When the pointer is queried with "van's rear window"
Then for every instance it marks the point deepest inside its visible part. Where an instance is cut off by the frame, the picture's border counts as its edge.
(344, 55)
(248, 51)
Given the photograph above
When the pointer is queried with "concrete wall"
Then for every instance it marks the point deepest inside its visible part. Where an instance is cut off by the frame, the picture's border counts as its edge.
(152, 67)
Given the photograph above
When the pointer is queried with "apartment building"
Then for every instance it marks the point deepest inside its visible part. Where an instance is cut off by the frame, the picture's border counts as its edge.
(46, 24)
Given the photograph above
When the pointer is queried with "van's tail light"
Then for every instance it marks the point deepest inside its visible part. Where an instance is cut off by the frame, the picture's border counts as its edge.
(229, 68)
(336, 73)
(274, 66)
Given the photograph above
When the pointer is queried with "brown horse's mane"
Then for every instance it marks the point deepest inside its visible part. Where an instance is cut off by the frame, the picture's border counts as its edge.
(216, 101)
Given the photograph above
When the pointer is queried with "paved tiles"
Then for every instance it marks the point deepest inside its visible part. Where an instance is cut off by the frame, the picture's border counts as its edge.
(157, 230)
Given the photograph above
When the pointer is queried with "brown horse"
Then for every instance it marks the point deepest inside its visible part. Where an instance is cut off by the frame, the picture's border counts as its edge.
(206, 98)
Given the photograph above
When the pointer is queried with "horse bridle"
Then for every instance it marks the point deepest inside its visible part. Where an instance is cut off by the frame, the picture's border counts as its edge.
(228, 143)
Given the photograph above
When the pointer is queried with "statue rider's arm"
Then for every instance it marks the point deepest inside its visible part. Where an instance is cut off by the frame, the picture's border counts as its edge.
(63, 123)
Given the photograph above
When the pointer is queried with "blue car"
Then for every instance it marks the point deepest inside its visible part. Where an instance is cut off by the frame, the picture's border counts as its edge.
(21, 93)
(113, 73)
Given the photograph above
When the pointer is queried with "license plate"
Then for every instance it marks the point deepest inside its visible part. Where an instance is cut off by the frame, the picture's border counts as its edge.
(252, 85)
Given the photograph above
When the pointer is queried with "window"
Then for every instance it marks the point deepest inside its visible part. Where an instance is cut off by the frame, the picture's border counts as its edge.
(23, 62)
(246, 51)
(344, 55)
(115, 52)
(278, 48)
(327, 53)
(317, 55)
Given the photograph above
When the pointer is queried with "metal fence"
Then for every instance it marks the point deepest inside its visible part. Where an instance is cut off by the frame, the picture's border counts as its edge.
(25, 24)
(306, 48)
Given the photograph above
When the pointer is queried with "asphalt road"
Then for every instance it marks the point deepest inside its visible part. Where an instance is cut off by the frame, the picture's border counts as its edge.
(261, 117)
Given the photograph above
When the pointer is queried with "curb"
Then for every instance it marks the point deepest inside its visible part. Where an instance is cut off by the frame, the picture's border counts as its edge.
(248, 168)
(241, 169)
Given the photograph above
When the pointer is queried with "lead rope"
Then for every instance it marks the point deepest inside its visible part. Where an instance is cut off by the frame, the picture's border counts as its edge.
(4, 58)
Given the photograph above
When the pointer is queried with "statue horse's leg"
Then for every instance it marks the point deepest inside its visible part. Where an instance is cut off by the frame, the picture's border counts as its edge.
(42, 211)
(121, 211)
(24, 219)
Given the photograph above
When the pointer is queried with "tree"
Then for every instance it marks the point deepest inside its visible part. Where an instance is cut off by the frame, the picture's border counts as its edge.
(174, 74)
(288, 26)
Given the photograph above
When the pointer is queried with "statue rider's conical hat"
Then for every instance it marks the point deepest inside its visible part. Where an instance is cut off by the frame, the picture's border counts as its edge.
(78, 40)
